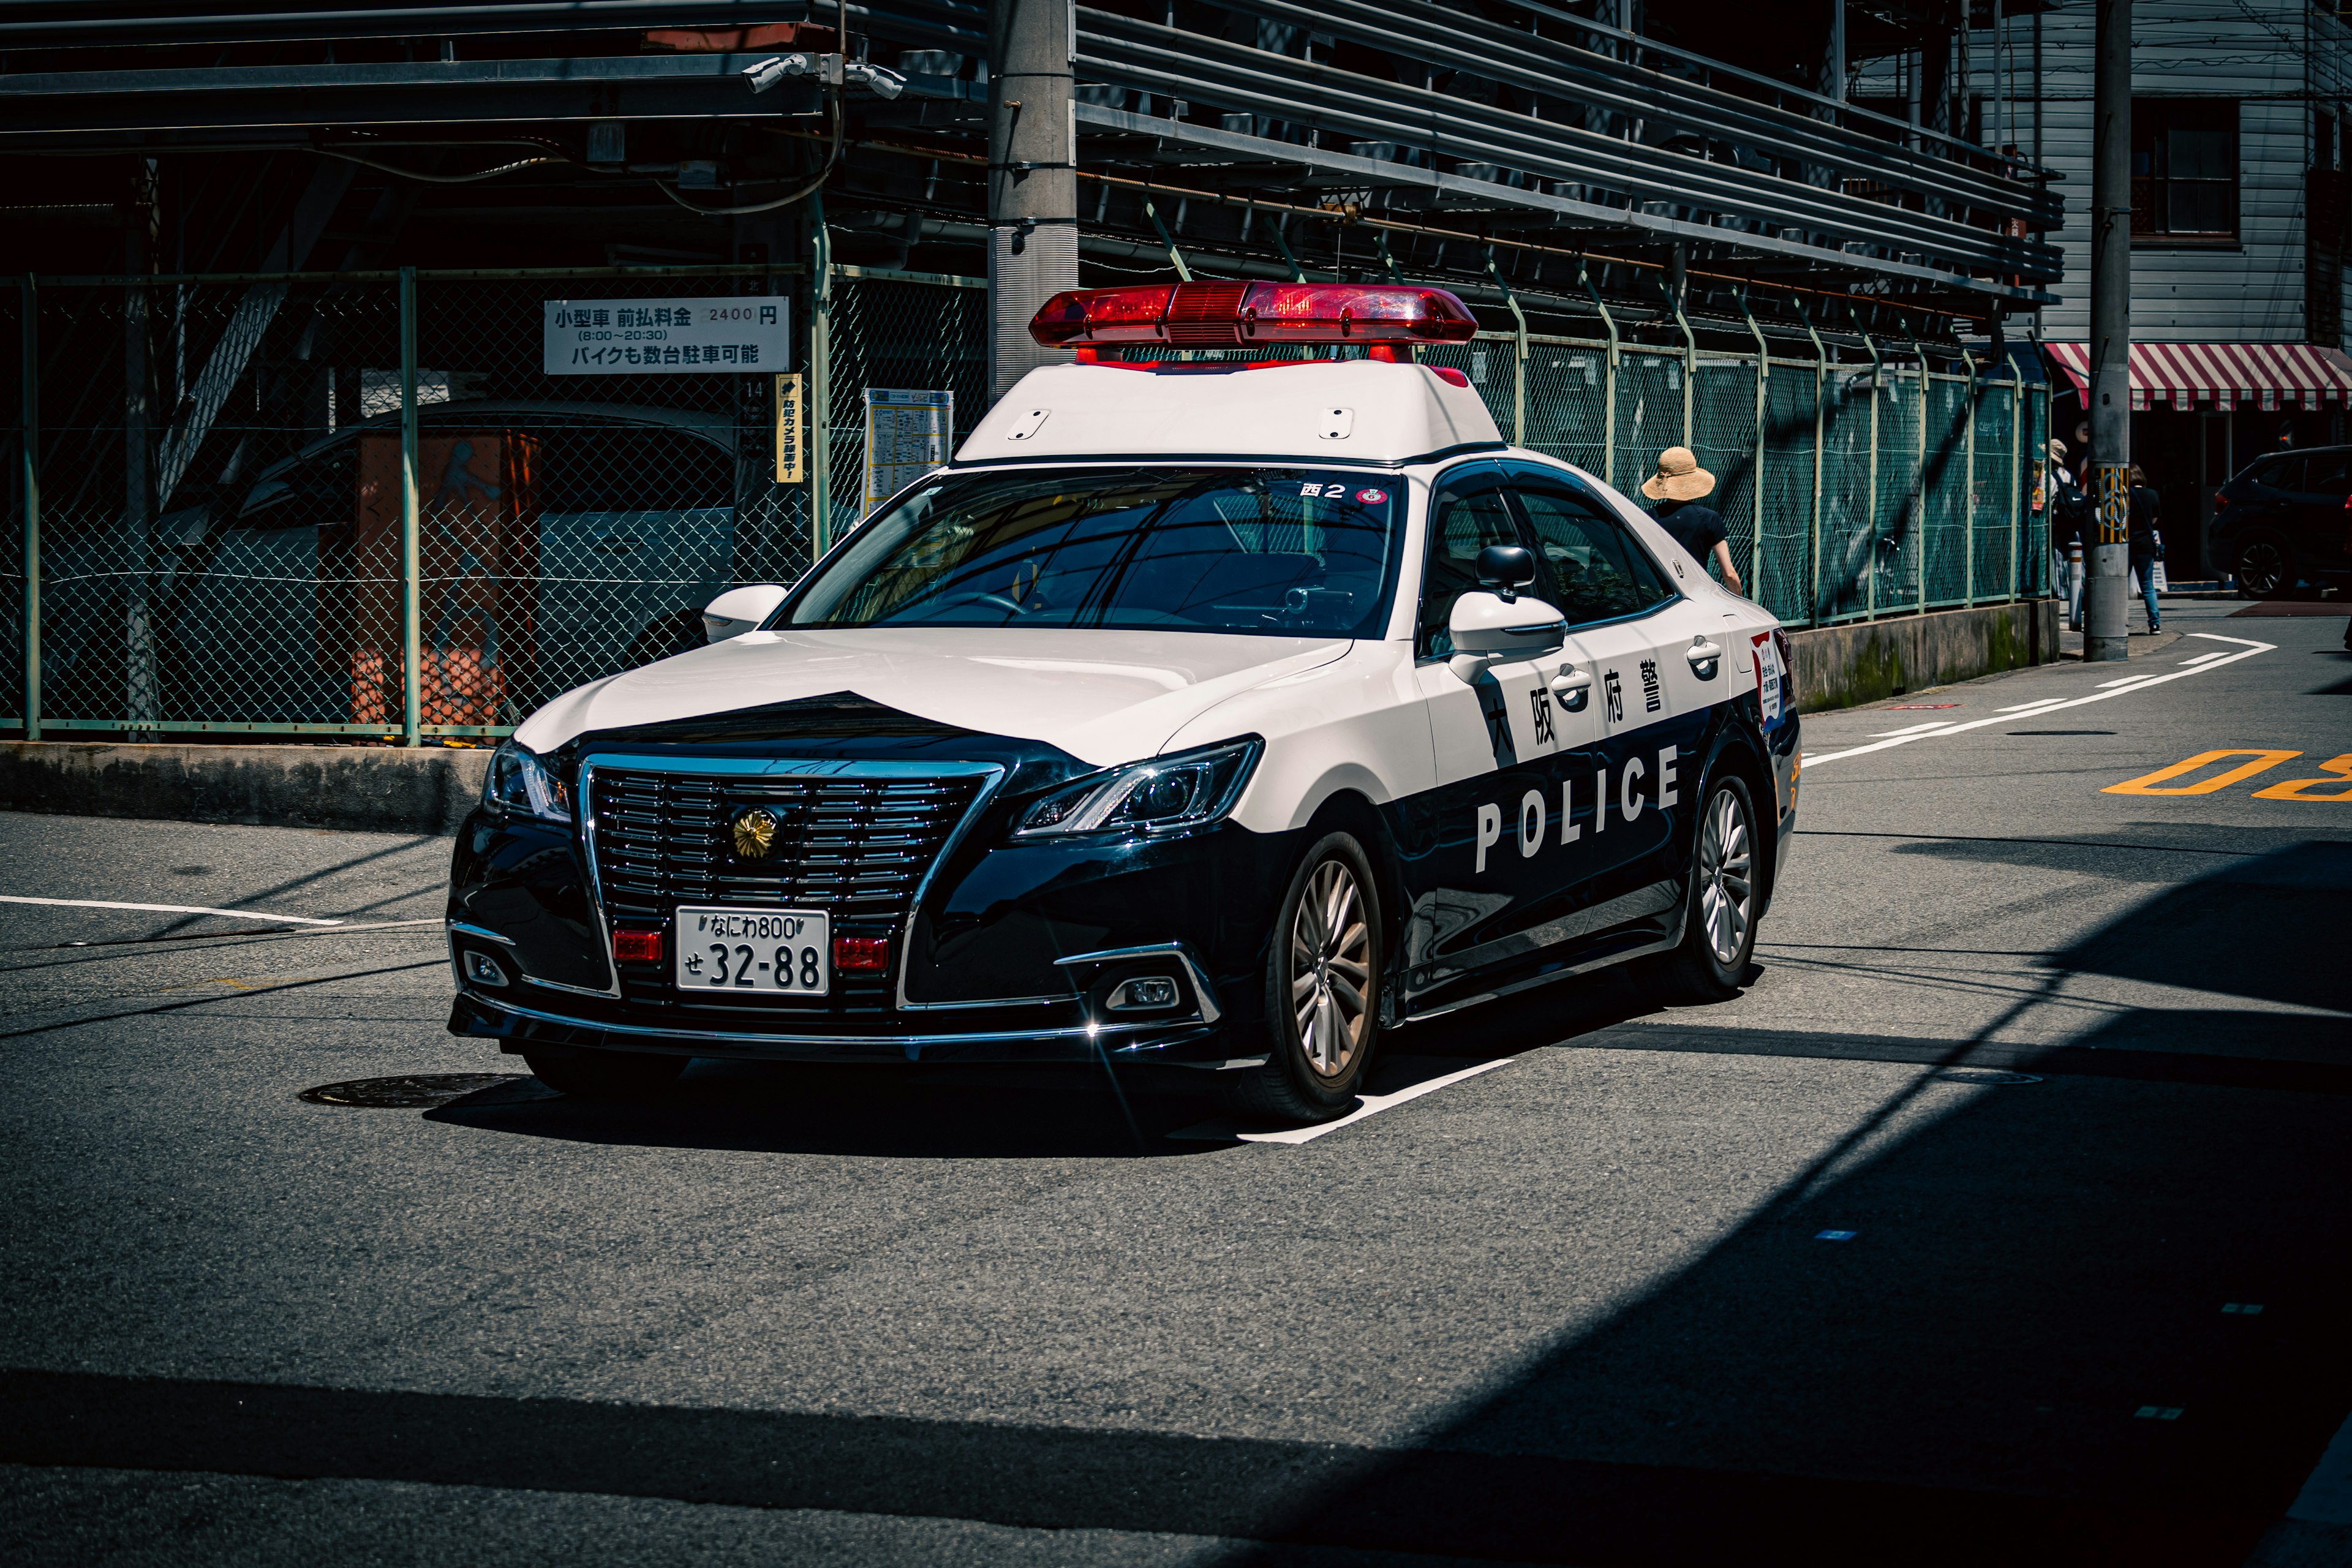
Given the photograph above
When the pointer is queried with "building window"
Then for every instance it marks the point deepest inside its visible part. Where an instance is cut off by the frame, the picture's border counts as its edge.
(2185, 170)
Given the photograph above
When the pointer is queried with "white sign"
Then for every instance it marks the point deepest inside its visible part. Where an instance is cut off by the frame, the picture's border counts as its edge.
(665, 337)
(908, 435)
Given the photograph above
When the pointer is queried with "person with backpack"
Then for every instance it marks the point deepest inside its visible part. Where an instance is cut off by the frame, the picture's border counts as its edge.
(2069, 511)
(2146, 544)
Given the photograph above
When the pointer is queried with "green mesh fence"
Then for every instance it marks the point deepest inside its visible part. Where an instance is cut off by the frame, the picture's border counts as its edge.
(219, 467)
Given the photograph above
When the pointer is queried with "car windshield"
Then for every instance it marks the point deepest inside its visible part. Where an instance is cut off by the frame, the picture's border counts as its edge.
(1274, 551)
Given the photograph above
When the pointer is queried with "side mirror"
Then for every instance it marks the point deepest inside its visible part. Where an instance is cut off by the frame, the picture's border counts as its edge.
(1486, 628)
(740, 610)
(1506, 569)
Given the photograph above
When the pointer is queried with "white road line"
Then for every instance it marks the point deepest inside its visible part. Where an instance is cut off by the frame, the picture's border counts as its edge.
(168, 909)
(2027, 707)
(2126, 681)
(2206, 657)
(1918, 729)
(1369, 1105)
(2249, 650)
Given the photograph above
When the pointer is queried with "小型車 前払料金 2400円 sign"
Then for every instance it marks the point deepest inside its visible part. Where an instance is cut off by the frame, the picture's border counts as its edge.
(665, 337)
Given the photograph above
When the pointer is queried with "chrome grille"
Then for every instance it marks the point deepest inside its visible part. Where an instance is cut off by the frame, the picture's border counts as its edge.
(856, 847)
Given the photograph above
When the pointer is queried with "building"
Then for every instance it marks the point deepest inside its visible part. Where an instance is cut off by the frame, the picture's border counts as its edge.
(2240, 146)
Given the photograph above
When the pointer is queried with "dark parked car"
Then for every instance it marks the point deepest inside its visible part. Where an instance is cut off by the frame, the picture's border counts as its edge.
(2286, 520)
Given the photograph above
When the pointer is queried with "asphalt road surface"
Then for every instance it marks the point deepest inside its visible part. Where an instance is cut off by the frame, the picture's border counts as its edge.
(2003, 1219)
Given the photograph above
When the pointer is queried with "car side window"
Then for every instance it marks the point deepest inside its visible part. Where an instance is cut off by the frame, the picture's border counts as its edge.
(1466, 513)
(1598, 570)
(2281, 474)
(2325, 474)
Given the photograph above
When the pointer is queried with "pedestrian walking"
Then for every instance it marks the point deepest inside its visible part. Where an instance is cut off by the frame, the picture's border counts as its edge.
(1677, 487)
(2068, 509)
(2146, 542)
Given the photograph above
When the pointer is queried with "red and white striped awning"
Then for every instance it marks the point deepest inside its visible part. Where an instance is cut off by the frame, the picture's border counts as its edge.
(2224, 374)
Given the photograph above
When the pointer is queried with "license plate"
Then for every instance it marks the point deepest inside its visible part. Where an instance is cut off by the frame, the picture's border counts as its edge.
(775, 952)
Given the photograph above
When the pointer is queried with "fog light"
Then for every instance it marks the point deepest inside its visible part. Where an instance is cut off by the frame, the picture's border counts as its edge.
(637, 946)
(483, 970)
(1152, 991)
(861, 954)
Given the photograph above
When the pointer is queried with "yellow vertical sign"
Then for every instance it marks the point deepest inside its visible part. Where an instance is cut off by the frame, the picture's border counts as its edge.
(788, 430)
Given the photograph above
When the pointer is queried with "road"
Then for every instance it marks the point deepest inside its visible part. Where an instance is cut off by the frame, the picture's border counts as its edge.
(2004, 1218)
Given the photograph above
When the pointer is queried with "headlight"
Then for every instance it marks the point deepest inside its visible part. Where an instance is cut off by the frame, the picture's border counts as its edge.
(520, 782)
(1187, 790)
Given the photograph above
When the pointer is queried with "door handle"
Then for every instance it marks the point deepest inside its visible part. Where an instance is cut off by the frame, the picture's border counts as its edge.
(1573, 687)
(1706, 657)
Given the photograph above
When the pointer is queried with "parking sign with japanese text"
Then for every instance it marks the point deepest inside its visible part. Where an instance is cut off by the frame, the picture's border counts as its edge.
(665, 337)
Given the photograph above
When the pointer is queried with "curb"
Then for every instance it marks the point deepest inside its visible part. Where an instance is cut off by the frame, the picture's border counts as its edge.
(370, 789)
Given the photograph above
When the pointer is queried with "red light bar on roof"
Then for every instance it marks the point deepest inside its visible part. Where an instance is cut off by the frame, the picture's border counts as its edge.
(1253, 315)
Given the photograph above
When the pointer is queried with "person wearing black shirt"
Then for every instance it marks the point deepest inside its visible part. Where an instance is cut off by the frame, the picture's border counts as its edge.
(2145, 543)
(1677, 486)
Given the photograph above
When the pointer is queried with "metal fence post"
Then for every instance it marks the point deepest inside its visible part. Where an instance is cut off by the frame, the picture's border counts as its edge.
(1763, 374)
(1877, 390)
(411, 597)
(2016, 474)
(1608, 381)
(820, 380)
(1920, 479)
(32, 476)
(1690, 358)
(1821, 452)
(1968, 510)
(1519, 379)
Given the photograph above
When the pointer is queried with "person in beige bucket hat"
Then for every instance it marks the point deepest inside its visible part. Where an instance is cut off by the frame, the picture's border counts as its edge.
(1677, 487)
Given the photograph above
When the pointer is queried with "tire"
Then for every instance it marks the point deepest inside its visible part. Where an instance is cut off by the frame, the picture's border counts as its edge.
(605, 1074)
(1322, 988)
(1719, 916)
(2264, 569)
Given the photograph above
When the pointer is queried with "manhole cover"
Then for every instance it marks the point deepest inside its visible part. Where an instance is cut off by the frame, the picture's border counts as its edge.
(1983, 1075)
(412, 1092)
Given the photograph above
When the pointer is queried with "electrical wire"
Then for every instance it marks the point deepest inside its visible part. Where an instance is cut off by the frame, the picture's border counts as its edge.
(438, 179)
(832, 158)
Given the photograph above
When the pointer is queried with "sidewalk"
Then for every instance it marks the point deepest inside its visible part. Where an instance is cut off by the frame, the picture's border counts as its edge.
(2070, 644)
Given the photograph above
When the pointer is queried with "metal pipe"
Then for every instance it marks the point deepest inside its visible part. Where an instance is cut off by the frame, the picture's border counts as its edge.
(412, 638)
(1920, 479)
(31, 457)
(1609, 381)
(1175, 256)
(1519, 375)
(820, 382)
(1297, 273)
(2016, 473)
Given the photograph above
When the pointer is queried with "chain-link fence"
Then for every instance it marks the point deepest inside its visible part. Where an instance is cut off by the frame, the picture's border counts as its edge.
(212, 477)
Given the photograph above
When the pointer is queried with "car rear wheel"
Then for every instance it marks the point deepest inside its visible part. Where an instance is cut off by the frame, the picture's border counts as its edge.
(1719, 917)
(605, 1074)
(1322, 990)
(2263, 569)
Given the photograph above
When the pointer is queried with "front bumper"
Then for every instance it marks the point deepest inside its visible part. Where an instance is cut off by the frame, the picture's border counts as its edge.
(519, 1026)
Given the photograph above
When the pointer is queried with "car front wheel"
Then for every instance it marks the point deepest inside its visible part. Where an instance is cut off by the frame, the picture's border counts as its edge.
(1322, 988)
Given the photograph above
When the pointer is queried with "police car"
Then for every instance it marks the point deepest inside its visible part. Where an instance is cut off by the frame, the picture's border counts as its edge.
(1233, 716)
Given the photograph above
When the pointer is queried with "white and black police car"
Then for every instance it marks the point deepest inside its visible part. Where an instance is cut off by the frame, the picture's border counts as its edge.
(1229, 715)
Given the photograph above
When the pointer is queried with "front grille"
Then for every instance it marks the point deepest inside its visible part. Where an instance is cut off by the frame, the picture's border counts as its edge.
(855, 848)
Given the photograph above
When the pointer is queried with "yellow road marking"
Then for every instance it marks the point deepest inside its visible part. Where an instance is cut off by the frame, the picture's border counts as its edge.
(2299, 789)
(2152, 784)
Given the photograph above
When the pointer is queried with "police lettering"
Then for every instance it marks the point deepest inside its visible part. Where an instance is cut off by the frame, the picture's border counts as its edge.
(1640, 784)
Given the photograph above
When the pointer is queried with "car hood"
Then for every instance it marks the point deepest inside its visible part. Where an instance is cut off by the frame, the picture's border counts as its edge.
(1104, 696)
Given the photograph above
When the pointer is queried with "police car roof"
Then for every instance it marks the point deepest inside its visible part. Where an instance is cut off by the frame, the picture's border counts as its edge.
(1317, 412)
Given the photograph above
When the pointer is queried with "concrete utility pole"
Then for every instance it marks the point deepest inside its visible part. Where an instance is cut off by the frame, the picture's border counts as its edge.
(1033, 182)
(2105, 589)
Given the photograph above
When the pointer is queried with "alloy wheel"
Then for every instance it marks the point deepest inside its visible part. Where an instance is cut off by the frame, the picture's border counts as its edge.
(2261, 568)
(1726, 892)
(1331, 970)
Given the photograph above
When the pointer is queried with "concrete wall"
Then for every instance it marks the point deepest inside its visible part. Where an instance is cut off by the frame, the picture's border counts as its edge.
(1868, 661)
(374, 788)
